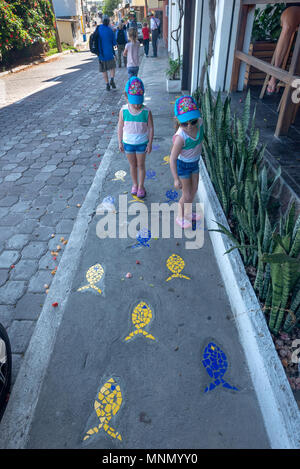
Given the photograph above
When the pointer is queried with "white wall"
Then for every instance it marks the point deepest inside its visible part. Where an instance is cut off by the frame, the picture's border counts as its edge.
(173, 24)
(226, 15)
(67, 7)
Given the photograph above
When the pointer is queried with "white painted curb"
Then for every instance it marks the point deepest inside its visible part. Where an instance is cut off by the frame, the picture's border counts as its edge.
(277, 403)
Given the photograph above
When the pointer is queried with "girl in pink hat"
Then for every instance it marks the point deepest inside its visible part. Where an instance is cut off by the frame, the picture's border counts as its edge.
(185, 155)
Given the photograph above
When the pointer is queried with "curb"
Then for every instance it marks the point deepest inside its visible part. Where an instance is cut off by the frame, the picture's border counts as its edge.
(36, 62)
(276, 400)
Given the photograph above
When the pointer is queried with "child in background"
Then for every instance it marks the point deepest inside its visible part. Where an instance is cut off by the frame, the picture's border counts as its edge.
(135, 133)
(132, 52)
(146, 35)
(185, 155)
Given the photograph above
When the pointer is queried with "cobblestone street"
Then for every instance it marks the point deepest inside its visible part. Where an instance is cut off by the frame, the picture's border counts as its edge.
(52, 142)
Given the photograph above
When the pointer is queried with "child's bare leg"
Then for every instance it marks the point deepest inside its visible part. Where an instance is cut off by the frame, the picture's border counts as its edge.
(186, 198)
(195, 182)
(133, 167)
(141, 158)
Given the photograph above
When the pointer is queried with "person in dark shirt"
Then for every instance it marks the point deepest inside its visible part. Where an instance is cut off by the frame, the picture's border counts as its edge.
(106, 43)
(121, 38)
(290, 20)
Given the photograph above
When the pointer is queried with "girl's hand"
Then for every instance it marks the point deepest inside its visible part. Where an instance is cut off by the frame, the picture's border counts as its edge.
(149, 148)
(121, 147)
(177, 184)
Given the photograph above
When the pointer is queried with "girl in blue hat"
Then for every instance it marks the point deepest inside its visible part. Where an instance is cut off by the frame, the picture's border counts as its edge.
(135, 133)
(185, 155)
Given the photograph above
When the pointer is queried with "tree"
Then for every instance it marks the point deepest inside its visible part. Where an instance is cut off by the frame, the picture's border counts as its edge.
(23, 22)
(109, 6)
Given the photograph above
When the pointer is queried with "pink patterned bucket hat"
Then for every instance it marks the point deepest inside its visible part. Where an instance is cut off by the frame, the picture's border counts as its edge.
(135, 90)
(186, 109)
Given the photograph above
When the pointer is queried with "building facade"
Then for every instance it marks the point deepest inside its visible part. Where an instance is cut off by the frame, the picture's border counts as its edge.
(196, 40)
(69, 19)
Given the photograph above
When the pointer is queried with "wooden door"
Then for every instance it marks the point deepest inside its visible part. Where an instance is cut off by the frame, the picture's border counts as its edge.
(188, 38)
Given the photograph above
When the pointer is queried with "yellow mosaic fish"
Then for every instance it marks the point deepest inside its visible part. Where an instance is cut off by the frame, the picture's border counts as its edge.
(135, 199)
(106, 405)
(141, 317)
(176, 264)
(119, 176)
(166, 159)
(93, 275)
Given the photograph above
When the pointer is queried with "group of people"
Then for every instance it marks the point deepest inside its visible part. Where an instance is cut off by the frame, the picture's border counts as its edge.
(124, 41)
(135, 137)
(136, 127)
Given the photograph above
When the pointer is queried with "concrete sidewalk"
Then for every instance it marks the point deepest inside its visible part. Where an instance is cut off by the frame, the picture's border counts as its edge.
(156, 381)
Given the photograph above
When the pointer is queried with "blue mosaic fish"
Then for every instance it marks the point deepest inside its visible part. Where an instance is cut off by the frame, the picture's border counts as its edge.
(172, 196)
(215, 363)
(142, 238)
(150, 174)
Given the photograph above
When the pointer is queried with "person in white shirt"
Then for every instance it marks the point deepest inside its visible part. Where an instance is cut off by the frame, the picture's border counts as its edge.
(154, 26)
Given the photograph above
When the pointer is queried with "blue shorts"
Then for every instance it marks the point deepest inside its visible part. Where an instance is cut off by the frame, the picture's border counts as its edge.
(185, 170)
(135, 148)
(132, 71)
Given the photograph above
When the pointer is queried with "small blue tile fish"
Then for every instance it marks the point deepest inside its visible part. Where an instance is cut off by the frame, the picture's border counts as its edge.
(150, 174)
(216, 364)
(143, 237)
(172, 196)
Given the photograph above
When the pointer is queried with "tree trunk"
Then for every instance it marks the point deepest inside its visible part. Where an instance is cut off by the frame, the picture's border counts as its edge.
(58, 43)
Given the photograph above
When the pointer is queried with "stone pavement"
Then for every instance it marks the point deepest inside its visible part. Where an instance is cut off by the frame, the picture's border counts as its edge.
(145, 390)
(51, 144)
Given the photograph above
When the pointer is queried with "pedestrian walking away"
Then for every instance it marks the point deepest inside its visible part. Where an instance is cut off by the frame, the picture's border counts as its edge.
(106, 44)
(154, 26)
(132, 22)
(132, 52)
(185, 155)
(121, 39)
(135, 133)
(146, 38)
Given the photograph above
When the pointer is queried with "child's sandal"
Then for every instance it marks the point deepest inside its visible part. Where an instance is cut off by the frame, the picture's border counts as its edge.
(141, 193)
(134, 190)
(183, 223)
(193, 217)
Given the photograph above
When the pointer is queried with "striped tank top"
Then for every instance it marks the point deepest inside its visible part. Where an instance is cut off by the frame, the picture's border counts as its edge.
(191, 149)
(135, 130)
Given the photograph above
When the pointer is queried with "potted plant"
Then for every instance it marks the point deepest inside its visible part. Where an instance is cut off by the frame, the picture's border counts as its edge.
(173, 75)
(265, 33)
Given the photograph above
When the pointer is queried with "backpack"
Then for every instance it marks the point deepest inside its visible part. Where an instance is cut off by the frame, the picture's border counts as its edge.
(121, 37)
(93, 42)
(157, 25)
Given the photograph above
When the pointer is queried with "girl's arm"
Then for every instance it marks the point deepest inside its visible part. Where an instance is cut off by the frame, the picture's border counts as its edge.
(176, 149)
(151, 132)
(120, 131)
(125, 50)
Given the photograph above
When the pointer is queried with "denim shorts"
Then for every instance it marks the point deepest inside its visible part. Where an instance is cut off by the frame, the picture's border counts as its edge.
(135, 148)
(132, 71)
(185, 170)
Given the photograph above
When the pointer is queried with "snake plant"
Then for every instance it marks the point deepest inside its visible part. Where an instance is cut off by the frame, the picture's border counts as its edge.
(284, 269)
(234, 160)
